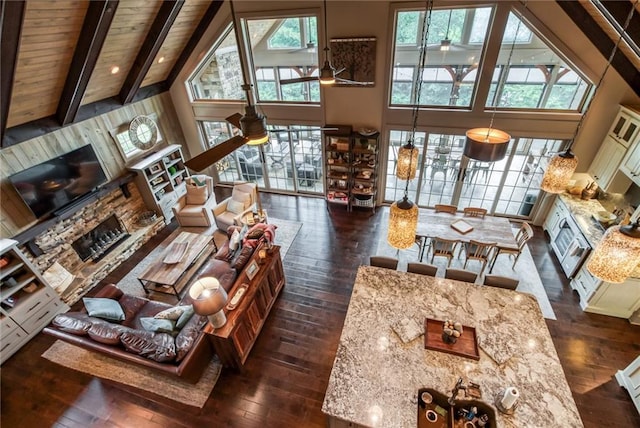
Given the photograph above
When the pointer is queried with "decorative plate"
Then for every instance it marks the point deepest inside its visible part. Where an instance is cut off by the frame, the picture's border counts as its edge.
(367, 132)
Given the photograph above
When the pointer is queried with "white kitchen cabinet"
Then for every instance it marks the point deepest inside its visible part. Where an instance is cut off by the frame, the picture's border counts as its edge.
(27, 301)
(626, 126)
(631, 163)
(552, 223)
(605, 298)
(607, 161)
(629, 379)
(161, 179)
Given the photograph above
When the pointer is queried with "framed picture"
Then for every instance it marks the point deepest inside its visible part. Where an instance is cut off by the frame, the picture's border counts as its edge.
(156, 167)
(252, 269)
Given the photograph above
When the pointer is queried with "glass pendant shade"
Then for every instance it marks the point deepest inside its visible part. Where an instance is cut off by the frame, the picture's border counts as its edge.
(559, 171)
(617, 254)
(403, 222)
(486, 144)
(445, 44)
(407, 162)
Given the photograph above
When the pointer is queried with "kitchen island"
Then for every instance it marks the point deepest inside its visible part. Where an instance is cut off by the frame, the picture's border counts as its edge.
(376, 377)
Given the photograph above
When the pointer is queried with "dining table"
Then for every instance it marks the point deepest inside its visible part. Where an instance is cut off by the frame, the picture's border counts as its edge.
(491, 229)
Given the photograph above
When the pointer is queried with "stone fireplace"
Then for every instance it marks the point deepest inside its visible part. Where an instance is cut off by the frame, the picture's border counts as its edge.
(101, 240)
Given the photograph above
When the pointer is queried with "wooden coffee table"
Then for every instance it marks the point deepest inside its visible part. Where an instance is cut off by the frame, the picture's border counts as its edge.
(165, 276)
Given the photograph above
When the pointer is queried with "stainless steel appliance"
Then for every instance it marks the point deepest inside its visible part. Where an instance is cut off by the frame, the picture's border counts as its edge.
(570, 246)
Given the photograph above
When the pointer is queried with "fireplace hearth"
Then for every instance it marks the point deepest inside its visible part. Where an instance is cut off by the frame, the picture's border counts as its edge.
(101, 240)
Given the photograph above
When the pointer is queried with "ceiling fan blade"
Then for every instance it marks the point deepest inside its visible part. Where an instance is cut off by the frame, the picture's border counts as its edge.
(234, 119)
(351, 82)
(298, 80)
(214, 154)
(339, 71)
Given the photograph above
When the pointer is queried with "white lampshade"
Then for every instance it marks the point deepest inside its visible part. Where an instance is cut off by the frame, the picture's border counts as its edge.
(486, 144)
(617, 254)
(407, 162)
(559, 171)
(208, 299)
(403, 222)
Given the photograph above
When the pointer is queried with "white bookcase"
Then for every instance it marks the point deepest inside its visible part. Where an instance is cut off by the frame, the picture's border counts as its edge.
(161, 179)
(27, 301)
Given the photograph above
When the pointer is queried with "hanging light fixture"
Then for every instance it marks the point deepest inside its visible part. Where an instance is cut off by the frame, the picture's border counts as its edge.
(408, 154)
(490, 144)
(327, 72)
(617, 254)
(562, 165)
(403, 214)
(445, 44)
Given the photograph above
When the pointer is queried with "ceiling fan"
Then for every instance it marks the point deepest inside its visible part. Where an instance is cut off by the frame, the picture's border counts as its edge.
(311, 47)
(328, 74)
(253, 127)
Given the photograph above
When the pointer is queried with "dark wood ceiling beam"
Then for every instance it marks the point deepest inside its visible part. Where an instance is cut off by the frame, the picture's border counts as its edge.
(94, 32)
(602, 42)
(155, 38)
(619, 11)
(193, 40)
(11, 17)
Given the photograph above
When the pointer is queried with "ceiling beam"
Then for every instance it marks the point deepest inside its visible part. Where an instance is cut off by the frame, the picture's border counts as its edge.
(155, 38)
(602, 42)
(94, 32)
(193, 40)
(11, 16)
(619, 11)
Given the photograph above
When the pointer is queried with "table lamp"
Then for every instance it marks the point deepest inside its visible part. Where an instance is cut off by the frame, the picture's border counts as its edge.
(209, 299)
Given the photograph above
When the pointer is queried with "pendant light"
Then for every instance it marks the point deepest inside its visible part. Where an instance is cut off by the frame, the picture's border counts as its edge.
(327, 72)
(403, 214)
(408, 154)
(445, 44)
(490, 144)
(618, 253)
(562, 165)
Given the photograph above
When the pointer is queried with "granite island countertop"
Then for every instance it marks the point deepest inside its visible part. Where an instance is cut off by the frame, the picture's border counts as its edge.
(375, 376)
(582, 211)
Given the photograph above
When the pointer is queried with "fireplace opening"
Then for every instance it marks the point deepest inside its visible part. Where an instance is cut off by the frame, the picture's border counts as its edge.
(100, 240)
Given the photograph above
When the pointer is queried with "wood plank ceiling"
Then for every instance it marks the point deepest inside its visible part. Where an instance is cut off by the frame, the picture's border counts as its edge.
(67, 60)
(59, 56)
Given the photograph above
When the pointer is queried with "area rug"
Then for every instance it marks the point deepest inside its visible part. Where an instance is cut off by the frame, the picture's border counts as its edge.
(286, 232)
(98, 365)
(525, 270)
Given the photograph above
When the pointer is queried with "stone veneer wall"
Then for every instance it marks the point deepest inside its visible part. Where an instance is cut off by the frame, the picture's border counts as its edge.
(56, 241)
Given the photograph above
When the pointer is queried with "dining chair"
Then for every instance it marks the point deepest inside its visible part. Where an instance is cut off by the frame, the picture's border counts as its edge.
(384, 262)
(441, 247)
(474, 212)
(501, 282)
(524, 234)
(461, 275)
(422, 268)
(480, 251)
(423, 243)
(442, 208)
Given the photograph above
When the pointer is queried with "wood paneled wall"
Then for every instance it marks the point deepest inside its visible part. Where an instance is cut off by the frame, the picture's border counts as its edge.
(15, 217)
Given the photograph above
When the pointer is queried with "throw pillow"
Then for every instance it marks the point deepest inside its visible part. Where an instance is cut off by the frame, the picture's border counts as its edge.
(104, 308)
(255, 233)
(185, 317)
(171, 313)
(234, 206)
(200, 180)
(197, 195)
(157, 325)
(242, 259)
(234, 241)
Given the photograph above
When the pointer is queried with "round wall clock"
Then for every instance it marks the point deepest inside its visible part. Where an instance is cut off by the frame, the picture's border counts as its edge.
(143, 132)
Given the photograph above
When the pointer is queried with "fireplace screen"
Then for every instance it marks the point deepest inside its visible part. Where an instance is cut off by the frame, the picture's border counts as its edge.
(100, 240)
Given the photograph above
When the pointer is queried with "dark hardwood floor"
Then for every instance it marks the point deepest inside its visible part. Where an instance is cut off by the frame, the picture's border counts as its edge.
(285, 378)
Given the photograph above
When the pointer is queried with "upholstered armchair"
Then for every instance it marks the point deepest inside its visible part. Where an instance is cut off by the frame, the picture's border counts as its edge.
(194, 207)
(241, 202)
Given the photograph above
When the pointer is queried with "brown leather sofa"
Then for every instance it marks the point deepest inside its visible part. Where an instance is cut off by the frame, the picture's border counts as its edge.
(185, 356)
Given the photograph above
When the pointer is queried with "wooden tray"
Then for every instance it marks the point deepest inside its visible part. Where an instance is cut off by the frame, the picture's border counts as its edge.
(466, 346)
(462, 226)
(175, 252)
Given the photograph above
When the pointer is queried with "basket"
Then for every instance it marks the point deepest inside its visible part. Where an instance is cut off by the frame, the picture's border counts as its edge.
(363, 201)
(147, 218)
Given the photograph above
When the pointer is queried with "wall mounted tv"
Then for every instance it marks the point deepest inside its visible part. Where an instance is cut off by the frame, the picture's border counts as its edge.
(58, 182)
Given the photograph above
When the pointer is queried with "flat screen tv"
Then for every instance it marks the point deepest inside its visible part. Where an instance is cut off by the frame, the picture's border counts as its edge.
(56, 183)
